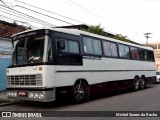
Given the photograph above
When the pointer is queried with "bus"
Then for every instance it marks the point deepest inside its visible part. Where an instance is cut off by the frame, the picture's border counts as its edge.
(51, 63)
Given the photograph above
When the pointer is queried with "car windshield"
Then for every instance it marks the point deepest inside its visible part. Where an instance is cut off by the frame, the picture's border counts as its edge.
(29, 50)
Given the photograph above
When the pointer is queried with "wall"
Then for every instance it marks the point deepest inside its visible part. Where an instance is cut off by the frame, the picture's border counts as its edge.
(156, 47)
(5, 60)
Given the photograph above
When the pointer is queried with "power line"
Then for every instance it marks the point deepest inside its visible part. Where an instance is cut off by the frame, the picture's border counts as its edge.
(71, 4)
(7, 17)
(45, 15)
(30, 17)
(153, 0)
(18, 16)
(38, 13)
(83, 8)
(50, 12)
(5, 3)
(33, 19)
(18, 20)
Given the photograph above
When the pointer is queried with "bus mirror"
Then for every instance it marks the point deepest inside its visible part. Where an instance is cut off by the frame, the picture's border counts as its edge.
(61, 45)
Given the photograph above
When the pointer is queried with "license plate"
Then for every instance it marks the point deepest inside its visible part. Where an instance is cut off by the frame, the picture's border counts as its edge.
(22, 94)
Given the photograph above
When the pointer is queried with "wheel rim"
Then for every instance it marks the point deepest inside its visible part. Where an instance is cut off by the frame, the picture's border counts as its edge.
(80, 92)
(142, 83)
(136, 84)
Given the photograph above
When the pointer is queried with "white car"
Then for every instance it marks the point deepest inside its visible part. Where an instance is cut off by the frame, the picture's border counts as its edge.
(157, 77)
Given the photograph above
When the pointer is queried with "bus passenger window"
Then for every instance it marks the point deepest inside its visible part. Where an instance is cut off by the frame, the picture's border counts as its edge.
(150, 56)
(124, 51)
(97, 47)
(134, 53)
(107, 48)
(114, 50)
(73, 46)
(92, 46)
(110, 49)
(147, 55)
(88, 45)
(70, 46)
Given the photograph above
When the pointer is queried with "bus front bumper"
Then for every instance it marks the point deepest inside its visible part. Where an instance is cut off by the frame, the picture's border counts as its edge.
(42, 95)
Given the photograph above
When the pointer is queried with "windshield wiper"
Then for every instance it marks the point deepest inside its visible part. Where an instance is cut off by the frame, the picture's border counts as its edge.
(33, 59)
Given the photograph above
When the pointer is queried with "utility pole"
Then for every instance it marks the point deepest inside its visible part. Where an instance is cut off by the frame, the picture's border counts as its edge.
(147, 36)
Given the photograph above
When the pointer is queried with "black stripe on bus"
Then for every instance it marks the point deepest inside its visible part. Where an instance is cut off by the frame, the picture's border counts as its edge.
(31, 89)
(100, 70)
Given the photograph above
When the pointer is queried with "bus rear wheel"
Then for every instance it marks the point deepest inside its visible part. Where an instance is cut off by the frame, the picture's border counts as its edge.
(136, 83)
(142, 83)
(80, 92)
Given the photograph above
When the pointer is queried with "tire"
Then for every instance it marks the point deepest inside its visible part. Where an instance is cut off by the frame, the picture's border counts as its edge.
(142, 83)
(80, 92)
(136, 83)
(158, 82)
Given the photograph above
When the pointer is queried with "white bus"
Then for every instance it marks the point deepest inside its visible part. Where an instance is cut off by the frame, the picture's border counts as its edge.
(58, 62)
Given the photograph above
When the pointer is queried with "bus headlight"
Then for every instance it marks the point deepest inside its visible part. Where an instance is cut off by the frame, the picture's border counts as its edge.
(12, 94)
(36, 95)
(8, 94)
(31, 95)
(41, 95)
(15, 94)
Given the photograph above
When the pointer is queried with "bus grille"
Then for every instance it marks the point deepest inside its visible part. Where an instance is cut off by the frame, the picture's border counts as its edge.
(24, 80)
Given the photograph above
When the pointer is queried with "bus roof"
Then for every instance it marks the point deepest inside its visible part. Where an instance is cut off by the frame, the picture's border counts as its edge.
(80, 32)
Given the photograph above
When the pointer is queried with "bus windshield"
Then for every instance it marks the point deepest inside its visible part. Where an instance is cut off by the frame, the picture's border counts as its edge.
(35, 50)
(29, 50)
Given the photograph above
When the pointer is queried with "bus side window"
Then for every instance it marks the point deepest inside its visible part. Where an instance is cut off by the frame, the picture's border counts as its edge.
(50, 50)
(110, 49)
(124, 51)
(143, 55)
(147, 55)
(134, 53)
(73, 47)
(114, 50)
(107, 48)
(92, 46)
(68, 46)
(88, 45)
(150, 56)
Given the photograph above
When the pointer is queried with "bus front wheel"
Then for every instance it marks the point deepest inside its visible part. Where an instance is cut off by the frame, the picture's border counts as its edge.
(80, 92)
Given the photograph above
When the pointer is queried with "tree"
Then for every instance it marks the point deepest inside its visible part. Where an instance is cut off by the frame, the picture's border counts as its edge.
(96, 30)
(100, 31)
(121, 37)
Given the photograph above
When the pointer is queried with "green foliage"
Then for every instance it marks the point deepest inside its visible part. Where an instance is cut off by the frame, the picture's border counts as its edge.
(121, 37)
(96, 30)
(2, 101)
(100, 31)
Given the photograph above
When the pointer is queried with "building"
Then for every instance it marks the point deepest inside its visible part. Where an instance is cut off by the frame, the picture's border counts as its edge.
(6, 31)
(156, 47)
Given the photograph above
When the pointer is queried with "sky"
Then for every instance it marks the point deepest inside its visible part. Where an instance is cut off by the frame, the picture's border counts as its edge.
(131, 18)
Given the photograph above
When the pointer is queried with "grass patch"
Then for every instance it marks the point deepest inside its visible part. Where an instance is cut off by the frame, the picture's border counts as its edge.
(2, 101)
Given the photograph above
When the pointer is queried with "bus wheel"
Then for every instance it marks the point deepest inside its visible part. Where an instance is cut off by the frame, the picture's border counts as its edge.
(141, 83)
(80, 92)
(136, 84)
